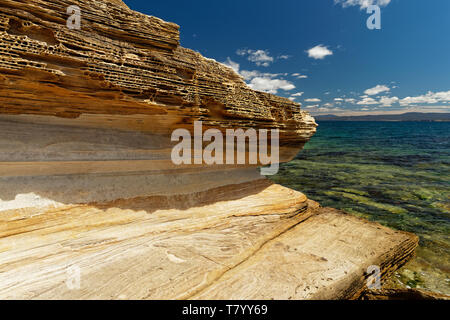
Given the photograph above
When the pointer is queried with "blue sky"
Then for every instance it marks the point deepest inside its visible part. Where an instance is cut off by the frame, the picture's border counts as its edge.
(311, 50)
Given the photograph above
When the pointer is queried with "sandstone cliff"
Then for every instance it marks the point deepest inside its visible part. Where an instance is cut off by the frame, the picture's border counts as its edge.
(87, 181)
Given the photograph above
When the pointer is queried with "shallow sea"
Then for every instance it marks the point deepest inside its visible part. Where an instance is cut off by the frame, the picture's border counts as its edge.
(395, 173)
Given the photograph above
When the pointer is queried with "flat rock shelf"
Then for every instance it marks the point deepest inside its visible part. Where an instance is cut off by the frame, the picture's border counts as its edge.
(254, 240)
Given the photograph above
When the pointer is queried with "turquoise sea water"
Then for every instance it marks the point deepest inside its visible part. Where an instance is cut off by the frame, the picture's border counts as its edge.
(395, 173)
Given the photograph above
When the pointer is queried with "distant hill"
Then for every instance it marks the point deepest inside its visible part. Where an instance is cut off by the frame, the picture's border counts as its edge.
(411, 116)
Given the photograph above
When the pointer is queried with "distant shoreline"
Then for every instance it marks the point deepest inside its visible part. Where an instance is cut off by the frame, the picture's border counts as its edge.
(405, 117)
(356, 120)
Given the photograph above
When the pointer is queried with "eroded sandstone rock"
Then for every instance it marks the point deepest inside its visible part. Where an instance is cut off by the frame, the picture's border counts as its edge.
(123, 63)
(87, 182)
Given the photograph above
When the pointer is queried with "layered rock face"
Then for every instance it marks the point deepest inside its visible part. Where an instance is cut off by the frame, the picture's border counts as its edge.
(87, 182)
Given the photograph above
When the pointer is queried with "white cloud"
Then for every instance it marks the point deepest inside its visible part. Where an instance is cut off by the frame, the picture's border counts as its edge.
(299, 76)
(259, 57)
(313, 100)
(295, 96)
(376, 90)
(367, 101)
(233, 65)
(363, 4)
(325, 109)
(270, 85)
(248, 75)
(284, 57)
(441, 96)
(311, 107)
(319, 52)
(429, 98)
(263, 81)
(388, 101)
(350, 100)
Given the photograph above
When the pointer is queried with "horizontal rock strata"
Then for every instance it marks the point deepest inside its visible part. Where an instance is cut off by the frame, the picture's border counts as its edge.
(126, 70)
(87, 182)
(253, 240)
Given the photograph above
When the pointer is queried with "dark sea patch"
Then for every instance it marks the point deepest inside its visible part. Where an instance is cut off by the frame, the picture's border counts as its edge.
(395, 173)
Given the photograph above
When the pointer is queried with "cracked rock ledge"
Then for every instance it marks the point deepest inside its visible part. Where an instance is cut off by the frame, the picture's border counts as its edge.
(87, 182)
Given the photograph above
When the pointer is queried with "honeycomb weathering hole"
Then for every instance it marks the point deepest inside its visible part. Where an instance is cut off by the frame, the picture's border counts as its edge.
(33, 32)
